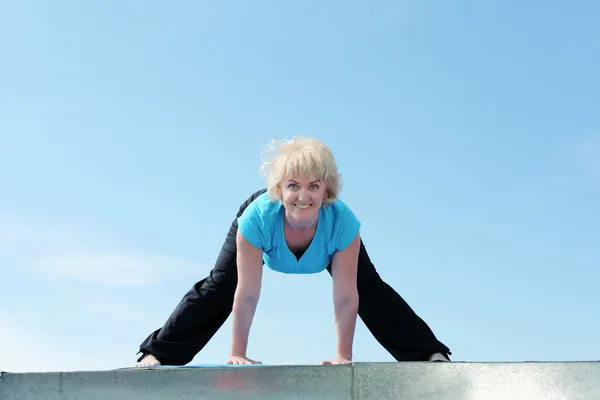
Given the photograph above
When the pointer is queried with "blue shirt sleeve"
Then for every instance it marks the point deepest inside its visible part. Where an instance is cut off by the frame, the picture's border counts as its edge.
(347, 227)
(252, 226)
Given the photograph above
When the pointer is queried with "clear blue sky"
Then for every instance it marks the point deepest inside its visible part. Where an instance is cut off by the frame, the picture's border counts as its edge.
(467, 133)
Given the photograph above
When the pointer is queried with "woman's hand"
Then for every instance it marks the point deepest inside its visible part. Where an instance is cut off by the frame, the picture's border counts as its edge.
(239, 359)
(337, 361)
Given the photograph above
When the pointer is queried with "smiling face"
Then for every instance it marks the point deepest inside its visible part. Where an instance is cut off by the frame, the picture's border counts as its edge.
(302, 198)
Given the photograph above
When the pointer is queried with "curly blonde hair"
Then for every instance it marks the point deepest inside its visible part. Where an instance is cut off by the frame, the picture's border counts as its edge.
(302, 156)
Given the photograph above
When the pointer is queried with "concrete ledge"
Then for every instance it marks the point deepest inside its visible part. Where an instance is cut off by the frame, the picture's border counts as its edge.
(474, 381)
(361, 381)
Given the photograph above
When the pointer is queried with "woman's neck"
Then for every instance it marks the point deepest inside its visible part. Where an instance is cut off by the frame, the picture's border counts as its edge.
(300, 227)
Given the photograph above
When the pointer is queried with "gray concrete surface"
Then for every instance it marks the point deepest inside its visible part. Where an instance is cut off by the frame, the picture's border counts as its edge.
(474, 381)
(361, 381)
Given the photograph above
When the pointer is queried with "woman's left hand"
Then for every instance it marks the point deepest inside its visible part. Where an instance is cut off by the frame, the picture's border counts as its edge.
(337, 361)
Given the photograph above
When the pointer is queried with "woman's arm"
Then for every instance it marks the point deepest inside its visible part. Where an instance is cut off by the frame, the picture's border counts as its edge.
(345, 297)
(250, 267)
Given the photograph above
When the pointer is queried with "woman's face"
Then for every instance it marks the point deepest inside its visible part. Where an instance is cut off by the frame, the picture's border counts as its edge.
(302, 198)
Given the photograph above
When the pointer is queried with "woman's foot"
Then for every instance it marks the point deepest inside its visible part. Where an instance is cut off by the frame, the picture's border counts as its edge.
(148, 361)
(438, 357)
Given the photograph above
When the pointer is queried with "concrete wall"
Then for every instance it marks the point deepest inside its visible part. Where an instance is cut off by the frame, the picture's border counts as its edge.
(378, 381)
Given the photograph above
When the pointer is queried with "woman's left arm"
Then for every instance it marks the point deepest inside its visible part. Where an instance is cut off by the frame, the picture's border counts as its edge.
(344, 268)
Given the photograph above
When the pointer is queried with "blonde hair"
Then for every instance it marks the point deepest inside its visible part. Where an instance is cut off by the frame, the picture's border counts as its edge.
(300, 156)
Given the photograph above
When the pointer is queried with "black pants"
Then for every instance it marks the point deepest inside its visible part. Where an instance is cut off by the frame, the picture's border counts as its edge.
(208, 304)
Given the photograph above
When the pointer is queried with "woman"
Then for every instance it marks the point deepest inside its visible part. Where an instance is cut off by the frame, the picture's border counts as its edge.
(296, 226)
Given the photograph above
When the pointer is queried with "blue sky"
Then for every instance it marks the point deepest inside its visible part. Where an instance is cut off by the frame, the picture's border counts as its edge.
(467, 134)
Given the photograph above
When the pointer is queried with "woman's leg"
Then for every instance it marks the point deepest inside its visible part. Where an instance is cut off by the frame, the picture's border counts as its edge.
(203, 309)
(390, 319)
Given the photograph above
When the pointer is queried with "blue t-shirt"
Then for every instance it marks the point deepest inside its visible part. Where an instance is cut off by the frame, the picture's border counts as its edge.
(262, 224)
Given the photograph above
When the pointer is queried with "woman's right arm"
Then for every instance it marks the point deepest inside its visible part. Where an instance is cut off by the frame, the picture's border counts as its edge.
(247, 294)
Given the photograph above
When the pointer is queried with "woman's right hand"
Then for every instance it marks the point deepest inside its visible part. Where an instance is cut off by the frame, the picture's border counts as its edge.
(239, 359)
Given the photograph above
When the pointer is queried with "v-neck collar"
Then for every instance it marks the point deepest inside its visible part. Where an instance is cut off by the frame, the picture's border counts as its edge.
(289, 252)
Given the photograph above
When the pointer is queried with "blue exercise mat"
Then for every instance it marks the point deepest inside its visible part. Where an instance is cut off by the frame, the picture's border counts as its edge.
(199, 366)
